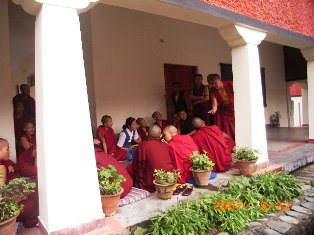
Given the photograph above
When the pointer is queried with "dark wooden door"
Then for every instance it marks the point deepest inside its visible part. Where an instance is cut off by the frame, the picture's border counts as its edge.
(181, 73)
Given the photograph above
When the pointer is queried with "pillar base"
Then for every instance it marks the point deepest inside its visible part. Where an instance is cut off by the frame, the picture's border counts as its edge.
(79, 229)
(311, 141)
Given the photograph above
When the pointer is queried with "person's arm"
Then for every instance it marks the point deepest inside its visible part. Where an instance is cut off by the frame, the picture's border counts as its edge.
(121, 142)
(137, 138)
(214, 107)
(24, 143)
(192, 132)
(203, 98)
(103, 141)
(195, 98)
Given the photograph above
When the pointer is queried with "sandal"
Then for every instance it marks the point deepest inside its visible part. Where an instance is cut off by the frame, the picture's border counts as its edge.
(179, 189)
(188, 190)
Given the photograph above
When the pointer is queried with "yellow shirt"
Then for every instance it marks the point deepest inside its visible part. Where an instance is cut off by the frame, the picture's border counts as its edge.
(224, 96)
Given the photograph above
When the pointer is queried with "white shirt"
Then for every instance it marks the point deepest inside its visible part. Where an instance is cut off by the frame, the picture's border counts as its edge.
(122, 137)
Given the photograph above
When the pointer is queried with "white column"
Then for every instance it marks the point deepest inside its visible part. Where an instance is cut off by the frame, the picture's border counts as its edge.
(308, 54)
(6, 86)
(248, 98)
(67, 176)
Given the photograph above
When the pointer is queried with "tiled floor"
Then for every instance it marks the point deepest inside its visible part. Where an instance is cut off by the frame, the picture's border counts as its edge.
(287, 146)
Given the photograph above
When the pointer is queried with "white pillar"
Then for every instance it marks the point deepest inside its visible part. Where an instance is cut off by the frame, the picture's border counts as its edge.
(6, 86)
(308, 54)
(67, 177)
(248, 98)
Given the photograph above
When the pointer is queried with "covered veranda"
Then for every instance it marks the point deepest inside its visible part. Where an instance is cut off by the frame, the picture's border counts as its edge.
(57, 18)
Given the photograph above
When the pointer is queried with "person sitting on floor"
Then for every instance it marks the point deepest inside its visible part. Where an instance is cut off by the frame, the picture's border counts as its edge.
(129, 138)
(212, 140)
(29, 138)
(181, 147)
(107, 138)
(185, 124)
(143, 128)
(27, 163)
(150, 155)
(157, 116)
(9, 170)
(103, 160)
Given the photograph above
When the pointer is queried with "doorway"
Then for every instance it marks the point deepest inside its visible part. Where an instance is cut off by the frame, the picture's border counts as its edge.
(182, 74)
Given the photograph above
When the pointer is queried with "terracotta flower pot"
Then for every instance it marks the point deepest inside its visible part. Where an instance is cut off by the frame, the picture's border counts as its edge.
(246, 167)
(110, 203)
(164, 191)
(7, 227)
(201, 177)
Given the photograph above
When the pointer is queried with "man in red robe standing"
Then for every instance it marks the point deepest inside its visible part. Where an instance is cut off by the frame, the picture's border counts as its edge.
(151, 154)
(212, 140)
(223, 92)
(8, 169)
(26, 99)
(181, 147)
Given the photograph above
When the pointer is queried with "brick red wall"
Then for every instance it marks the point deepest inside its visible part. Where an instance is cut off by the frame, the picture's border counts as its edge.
(294, 15)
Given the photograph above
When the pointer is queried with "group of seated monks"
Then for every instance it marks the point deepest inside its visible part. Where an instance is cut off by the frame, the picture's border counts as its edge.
(160, 146)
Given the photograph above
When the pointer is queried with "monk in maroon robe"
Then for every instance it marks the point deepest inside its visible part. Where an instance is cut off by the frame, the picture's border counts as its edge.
(157, 116)
(212, 140)
(225, 120)
(151, 154)
(185, 124)
(26, 99)
(103, 160)
(107, 138)
(27, 163)
(30, 210)
(181, 147)
(142, 130)
(20, 118)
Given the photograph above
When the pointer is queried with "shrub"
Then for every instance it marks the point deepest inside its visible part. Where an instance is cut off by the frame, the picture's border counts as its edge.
(109, 180)
(245, 154)
(166, 177)
(201, 162)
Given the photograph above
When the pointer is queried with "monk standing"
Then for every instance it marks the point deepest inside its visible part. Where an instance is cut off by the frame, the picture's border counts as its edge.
(223, 92)
(152, 154)
(26, 99)
(30, 210)
(212, 140)
(107, 138)
(181, 147)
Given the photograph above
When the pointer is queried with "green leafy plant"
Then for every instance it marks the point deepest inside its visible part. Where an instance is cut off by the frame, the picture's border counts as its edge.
(201, 162)
(275, 118)
(109, 180)
(166, 177)
(245, 154)
(242, 201)
(10, 194)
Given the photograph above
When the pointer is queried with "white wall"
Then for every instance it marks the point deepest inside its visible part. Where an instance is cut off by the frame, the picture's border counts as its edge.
(297, 111)
(129, 59)
(272, 59)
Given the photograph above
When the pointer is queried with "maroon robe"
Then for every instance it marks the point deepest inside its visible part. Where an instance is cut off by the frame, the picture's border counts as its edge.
(31, 140)
(108, 134)
(164, 123)
(30, 212)
(225, 113)
(186, 126)
(201, 110)
(103, 160)
(28, 102)
(19, 125)
(26, 164)
(181, 147)
(211, 140)
(150, 155)
(142, 133)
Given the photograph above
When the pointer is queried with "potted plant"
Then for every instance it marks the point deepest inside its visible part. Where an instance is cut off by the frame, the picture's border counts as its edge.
(10, 195)
(110, 189)
(245, 159)
(165, 182)
(201, 167)
(275, 119)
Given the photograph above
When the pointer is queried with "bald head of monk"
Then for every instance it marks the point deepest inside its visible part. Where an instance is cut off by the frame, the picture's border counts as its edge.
(4, 149)
(197, 123)
(154, 132)
(169, 132)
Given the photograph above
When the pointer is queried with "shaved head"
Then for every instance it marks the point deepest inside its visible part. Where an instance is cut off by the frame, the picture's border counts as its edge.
(154, 132)
(198, 123)
(171, 129)
(3, 142)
